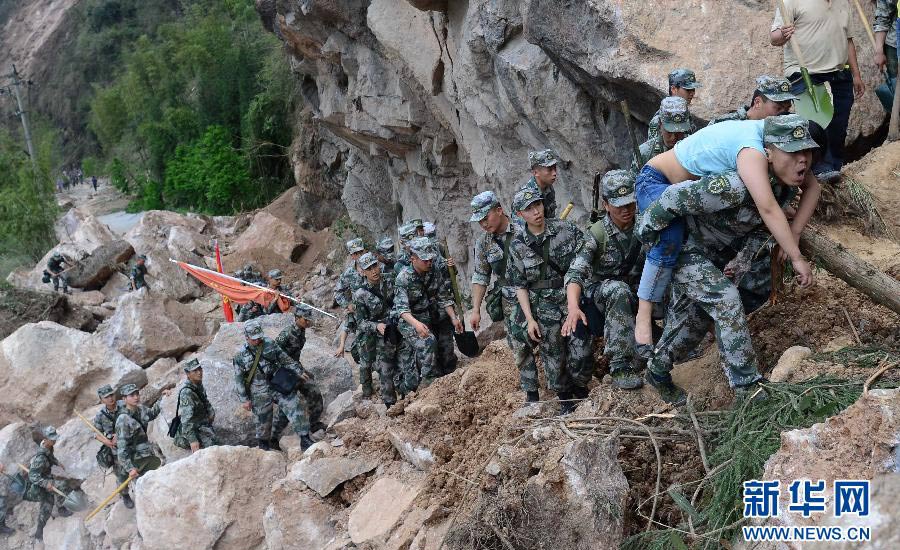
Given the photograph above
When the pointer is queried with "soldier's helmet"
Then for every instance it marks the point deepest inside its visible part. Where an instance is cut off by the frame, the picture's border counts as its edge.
(385, 245)
(482, 204)
(367, 260)
(407, 231)
(618, 187)
(128, 389)
(354, 245)
(790, 133)
(545, 158)
(192, 365)
(105, 391)
(776, 88)
(50, 433)
(417, 222)
(253, 330)
(430, 230)
(684, 78)
(423, 248)
(303, 311)
(524, 197)
(673, 115)
(276, 274)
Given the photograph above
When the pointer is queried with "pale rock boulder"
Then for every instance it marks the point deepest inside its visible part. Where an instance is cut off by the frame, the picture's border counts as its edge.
(267, 231)
(161, 375)
(94, 269)
(87, 298)
(67, 534)
(381, 507)
(146, 327)
(48, 370)
(116, 286)
(82, 230)
(77, 448)
(297, 519)
(324, 474)
(216, 498)
(340, 408)
(16, 444)
(788, 363)
(411, 450)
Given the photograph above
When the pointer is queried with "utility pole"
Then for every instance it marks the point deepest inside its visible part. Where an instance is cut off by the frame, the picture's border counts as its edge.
(23, 115)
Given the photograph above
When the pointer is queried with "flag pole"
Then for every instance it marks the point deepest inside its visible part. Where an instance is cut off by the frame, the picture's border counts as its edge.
(226, 302)
(247, 283)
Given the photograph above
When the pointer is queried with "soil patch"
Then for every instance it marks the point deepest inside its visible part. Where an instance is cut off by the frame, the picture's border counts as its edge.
(19, 307)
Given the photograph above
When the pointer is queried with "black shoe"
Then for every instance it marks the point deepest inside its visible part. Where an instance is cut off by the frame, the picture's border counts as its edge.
(668, 391)
(275, 444)
(305, 442)
(566, 404)
(63, 512)
(532, 396)
(39, 533)
(263, 445)
(6, 530)
(580, 392)
(126, 499)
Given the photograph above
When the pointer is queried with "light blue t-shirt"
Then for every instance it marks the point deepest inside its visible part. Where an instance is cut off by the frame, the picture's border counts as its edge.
(714, 149)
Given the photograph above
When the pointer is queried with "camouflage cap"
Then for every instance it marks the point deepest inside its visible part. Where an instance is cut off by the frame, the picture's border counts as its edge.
(483, 203)
(105, 391)
(407, 231)
(248, 267)
(303, 311)
(128, 389)
(790, 133)
(57, 255)
(50, 433)
(142, 257)
(430, 229)
(674, 115)
(252, 329)
(367, 260)
(276, 274)
(684, 78)
(417, 222)
(192, 365)
(524, 197)
(355, 245)
(385, 245)
(775, 88)
(545, 158)
(618, 187)
(423, 248)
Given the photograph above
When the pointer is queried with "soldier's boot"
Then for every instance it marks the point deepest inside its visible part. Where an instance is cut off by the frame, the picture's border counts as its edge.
(263, 444)
(126, 500)
(668, 391)
(532, 396)
(566, 403)
(305, 442)
(753, 391)
(275, 444)
(626, 379)
(5, 529)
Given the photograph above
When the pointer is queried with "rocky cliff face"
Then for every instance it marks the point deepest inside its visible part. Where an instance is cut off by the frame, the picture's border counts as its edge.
(413, 106)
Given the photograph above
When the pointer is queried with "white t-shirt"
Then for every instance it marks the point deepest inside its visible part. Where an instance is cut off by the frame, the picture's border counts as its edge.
(821, 30)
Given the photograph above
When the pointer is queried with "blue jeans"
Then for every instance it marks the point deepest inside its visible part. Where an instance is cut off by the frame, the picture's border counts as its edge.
(661, 259)
(842, 92)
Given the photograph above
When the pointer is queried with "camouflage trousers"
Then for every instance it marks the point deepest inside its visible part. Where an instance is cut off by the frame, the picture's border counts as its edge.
(62, 278)
(517, 338)
(553, 347)
(312, 398)
(700, 293)
(616, 303)
(422, 360)
(205, 435)
(270, 423)
(365, 345)
(384, 362)
(47, 499)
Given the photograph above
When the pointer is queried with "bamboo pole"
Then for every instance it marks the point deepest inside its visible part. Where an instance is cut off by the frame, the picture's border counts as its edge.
(118, 490)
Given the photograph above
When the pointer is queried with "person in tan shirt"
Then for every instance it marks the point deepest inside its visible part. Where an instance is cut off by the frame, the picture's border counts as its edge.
(821, 29)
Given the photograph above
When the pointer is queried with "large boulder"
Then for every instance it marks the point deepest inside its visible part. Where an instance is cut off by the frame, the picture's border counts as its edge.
(146, 327)
(48, 370)
(324, 474)
(297, 519)
(67, 534)
(216, 498)
(83, 230)
(280, 237)
(381, 507)
(92, 271)
(77, 448)
(16, 444)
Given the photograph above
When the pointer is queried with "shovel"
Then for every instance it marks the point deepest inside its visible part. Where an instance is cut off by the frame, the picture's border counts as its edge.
(816, 103)
(75, 501)
(466, 342)
(16, 483)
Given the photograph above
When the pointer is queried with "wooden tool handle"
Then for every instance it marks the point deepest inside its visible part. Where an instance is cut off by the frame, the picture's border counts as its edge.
(786, 21)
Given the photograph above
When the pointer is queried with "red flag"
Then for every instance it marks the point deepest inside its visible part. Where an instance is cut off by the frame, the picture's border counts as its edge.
(236, 290)
(226, 303)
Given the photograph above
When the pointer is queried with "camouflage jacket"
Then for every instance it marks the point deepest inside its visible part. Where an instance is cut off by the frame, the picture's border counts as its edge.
(649, 149)
(273, 305)
(194, 409)
(39, 473)
(491, 257)
(372, 309)
(424, 295)
(131, 431)
(137, 274)
(549, 197)
(526, 268)
(271, 358)
(885, 17)
(350, 280)
(653, 127)
(740, 114)
(291, 340)
(105, 420)
(55, 265)
(719, 213)
(621, 259)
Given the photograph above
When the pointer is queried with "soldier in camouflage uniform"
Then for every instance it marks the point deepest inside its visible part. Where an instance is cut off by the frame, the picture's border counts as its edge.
(350, 280)
(57, 271)
(543, 175)
(138, 273)
(605, 272)
(273, 281)
(384, 251)
(419, 225)
(423, 302)
(675, 123)
(771, 97)
(254, 366)
(682, 83)
(41, 482)
(252, 310)
(407, 233)
(884, 26)
(374, 302)
(6, 503)
(133, 449)
(105, 422)
(196, 412)
(291, 340)
(720, 214)
(539, 256)
(491, 257)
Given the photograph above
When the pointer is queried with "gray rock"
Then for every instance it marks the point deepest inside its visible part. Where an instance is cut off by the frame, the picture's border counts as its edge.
(340, 408)
(412, 451)
(323, 475)
(92, 271)
(297, 519)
